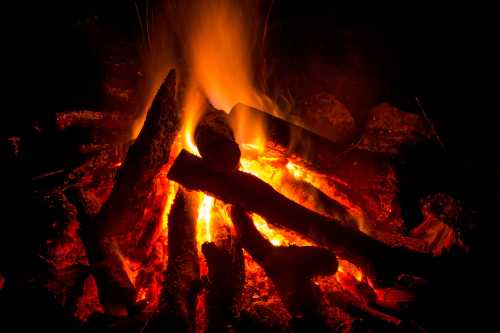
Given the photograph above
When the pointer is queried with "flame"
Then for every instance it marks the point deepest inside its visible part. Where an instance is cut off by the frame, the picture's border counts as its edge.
(204, 218)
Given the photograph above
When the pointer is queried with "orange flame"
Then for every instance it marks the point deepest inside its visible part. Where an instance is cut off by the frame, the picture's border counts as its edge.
(204, 218)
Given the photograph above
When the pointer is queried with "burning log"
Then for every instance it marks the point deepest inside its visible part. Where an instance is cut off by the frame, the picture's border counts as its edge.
(226, 278)
(215, 141)
(144, 160)
(376, 257)
(116, 292)
(177, 310)
(291, 269)
(354, 166)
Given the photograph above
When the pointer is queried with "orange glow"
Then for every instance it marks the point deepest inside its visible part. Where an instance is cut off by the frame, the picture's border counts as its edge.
(204, 218)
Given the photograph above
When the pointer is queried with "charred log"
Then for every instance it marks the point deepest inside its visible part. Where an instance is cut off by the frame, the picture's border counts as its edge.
(291, 269)
(226, 278)
(116, 292)
(144, 160)
(376, 257)
(177, 310)
(215, 141)
(354, 166)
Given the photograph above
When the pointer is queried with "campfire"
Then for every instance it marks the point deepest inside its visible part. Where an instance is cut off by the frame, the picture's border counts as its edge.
(215, 209)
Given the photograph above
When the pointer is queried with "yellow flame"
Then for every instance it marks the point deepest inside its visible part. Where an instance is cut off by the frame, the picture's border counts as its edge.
(219, 38)
(204, 218)
(172, 188)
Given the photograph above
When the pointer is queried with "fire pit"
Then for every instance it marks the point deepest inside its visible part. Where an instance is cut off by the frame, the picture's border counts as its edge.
(213, 190)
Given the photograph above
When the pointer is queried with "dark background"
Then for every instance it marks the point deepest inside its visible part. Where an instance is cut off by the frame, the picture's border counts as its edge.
(363, 54)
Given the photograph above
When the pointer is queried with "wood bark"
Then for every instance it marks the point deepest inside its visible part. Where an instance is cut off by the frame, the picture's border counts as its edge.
(226, 278)
(359, 168)
(387, 255)
(177, 309)
(291, 269)
(150, 151)
(117, 294)
(215, 141)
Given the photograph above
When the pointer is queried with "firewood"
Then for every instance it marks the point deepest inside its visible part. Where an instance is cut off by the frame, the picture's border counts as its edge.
(152, 229)
(215, 141)
(291, 269)
(177, 309)
(144, 160)
(94, 127)
(226, 278)
(375, 256)
(357, 167)
(117, 294)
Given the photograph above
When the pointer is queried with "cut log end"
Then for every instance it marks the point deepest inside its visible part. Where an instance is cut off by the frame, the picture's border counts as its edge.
(215, 141)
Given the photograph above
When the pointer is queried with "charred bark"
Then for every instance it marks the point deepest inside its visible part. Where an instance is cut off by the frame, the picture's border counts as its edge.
(177, 310)
(116, 292)
(215, 141)
(377, 258)
(291, 269)
(144, 160)
(226, 278)
(354, 166)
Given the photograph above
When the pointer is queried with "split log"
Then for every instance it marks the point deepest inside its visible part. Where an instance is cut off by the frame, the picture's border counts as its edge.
(291, 269)
(215, 141)
(117, 294)
(226, 278)
(376, 257)
(177, 309)
(150, 151)
(359, 168)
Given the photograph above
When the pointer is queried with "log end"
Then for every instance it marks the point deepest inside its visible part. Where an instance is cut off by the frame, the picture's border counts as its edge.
(222, 156)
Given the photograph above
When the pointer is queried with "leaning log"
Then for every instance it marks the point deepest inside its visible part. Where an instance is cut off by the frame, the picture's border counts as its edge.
(150, 151)
(291, 269)
(117, 294)
(359, 168)
(215, 141)
(376, 257)
(177, 309)
(225, 281)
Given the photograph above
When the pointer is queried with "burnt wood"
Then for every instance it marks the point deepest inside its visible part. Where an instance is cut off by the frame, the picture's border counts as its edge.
(291, 269)
(177, 309)
(384, 256)
(117, 294)
(145, 157)
(357, 167)
(226, 278)
(214, 139)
